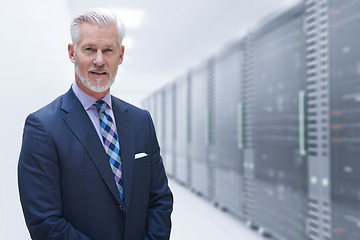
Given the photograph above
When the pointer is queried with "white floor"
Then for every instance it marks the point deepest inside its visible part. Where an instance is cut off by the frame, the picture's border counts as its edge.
(194, 218)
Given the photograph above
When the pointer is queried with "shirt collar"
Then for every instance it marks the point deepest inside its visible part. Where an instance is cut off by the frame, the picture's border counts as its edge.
(88, 101)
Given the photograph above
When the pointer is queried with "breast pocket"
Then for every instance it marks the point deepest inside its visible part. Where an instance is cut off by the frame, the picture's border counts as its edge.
(142, 174)
(142, 162)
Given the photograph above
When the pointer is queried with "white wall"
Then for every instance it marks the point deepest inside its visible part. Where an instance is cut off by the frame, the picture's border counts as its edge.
(34, 70)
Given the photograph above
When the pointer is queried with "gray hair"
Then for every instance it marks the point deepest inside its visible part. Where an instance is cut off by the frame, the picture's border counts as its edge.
(98, 16)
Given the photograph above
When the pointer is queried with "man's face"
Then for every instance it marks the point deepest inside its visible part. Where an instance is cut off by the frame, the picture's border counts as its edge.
(96, 57)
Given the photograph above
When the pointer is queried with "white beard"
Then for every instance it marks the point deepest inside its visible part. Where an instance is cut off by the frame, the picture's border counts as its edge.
(95, 88)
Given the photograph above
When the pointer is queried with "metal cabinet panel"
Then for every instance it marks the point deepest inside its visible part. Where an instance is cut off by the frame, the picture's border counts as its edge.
(181, 143)
(199, 153)
(345, 118)
(227, 144)
(280, 166)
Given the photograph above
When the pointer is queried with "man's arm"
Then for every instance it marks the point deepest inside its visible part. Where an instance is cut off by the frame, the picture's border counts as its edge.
(39, 185)
(161, 199)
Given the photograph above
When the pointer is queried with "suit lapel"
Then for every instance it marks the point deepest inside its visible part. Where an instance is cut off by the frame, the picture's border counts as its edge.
(80, 124)
(125, 130)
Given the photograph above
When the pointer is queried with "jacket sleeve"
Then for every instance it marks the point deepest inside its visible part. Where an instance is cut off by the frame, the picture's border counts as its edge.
(161, 199)
(39, 185)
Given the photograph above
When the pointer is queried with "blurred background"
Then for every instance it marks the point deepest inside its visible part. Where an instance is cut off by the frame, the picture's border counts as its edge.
(164, 39)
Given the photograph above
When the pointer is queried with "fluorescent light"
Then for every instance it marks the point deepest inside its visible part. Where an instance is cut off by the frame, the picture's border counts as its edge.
(132, 18)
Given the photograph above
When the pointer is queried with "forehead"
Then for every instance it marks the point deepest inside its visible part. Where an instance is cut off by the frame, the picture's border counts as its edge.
(98, 35)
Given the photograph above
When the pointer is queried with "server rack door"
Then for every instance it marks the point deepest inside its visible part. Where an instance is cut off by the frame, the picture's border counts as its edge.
(181, 141)
(345, 118)
(160, 117)
(155, 110)
(280, 167)
(228, 110)
(168, 141)
(199, 132)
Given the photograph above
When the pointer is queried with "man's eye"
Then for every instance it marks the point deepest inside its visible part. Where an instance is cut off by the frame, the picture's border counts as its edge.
(89, 49)
(108, 50)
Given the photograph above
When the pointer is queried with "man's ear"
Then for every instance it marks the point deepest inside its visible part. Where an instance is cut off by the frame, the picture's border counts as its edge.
(121, 54)
(71, 52)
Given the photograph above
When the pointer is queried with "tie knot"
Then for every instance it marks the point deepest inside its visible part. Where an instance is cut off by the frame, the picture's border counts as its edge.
(101, 105)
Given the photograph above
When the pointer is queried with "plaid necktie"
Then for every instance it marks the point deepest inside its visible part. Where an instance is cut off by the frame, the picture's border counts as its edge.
(111, 144)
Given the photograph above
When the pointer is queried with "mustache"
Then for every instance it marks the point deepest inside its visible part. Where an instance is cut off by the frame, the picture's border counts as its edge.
(99, 69)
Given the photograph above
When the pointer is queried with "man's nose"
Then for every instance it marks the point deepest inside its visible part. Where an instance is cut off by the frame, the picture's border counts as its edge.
(99, 59)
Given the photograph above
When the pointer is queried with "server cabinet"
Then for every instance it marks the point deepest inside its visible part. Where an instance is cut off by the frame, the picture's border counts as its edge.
(159, 115)
(228, 143)
(155, 107)
(181, 139)
(169, 131)
(155, 104)
(201, 169)
(280, 163)
(344, 117)
(162, 119)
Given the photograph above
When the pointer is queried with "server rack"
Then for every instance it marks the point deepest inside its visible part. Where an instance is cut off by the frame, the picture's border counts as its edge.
(181, 139)
(169, 135)
(298, 117)
(162, 117)
(159, 115)
(155, 103)
(200, 152)
(228, 133)
(344, 86)
(279, 134)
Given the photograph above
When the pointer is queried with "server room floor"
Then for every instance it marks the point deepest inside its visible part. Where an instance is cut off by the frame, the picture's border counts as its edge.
(195, 218)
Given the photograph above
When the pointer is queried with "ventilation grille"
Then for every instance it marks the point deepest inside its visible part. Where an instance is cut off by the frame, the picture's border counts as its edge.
(248, 192)
(188, 123)
(173, 130)
(189, 108)
(211, 125)
(247, 99)
(317, 81)
(173, 109)
(319, 220)
(211, 100)
(317, 77)
(163, 114)
(247, 91)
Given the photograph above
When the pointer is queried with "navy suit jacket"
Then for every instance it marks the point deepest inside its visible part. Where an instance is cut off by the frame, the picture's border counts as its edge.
(67, 189)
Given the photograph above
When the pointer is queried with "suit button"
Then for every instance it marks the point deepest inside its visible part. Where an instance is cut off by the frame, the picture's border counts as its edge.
(121, 208)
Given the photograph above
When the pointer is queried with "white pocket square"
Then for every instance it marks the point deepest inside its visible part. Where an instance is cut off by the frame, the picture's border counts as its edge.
(140, 155)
